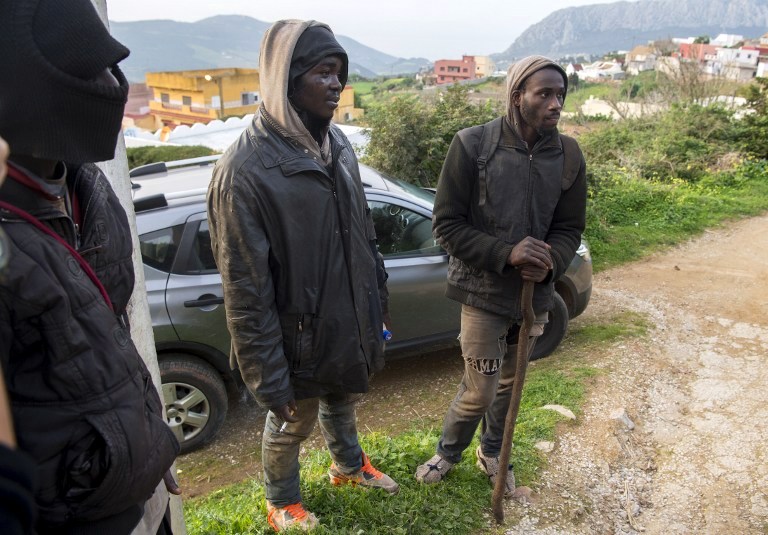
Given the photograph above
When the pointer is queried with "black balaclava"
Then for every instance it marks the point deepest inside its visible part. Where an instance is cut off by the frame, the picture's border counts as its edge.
(50, 106)
(316, 43)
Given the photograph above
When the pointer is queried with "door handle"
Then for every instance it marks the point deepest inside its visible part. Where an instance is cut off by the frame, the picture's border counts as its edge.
(204, 302)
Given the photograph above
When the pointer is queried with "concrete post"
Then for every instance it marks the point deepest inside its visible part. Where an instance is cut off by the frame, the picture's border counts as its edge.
(138, 307)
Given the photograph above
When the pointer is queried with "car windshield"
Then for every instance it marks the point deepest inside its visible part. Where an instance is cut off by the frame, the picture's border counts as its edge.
(416, 191)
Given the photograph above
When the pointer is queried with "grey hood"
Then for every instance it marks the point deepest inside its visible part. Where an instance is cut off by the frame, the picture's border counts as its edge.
(274, 71)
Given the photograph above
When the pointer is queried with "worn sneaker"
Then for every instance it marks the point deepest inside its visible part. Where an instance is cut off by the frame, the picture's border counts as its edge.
(490, 467)
(433, 471)
(290, 516)
(368, 477)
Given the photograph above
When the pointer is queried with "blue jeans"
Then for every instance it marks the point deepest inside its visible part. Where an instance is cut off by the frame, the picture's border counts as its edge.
(280, 448)
(486, 388)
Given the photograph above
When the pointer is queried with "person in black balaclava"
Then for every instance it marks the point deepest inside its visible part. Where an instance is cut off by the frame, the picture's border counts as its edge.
(304, 286)
(82, 400)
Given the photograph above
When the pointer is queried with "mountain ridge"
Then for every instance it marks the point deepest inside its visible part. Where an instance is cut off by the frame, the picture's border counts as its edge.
(601, 28)
(226, 41)
(233, 40)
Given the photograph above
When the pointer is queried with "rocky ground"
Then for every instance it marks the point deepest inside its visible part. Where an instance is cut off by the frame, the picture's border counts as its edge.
(671, 439)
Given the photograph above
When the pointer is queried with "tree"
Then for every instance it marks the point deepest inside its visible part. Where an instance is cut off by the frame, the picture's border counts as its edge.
(753, 131)
(573, 82)
(683, 81)
(701, 40)
(396, 128)
(144, 155)
(453, 112)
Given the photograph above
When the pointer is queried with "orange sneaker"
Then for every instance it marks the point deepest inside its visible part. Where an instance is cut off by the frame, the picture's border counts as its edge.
(290, 516)
(368, 476)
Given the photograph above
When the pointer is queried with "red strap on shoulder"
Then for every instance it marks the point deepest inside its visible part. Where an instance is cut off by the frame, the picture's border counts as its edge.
(19, 176)
(80, 260)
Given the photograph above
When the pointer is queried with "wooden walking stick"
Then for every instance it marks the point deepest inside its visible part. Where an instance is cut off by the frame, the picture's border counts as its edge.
(526, 303)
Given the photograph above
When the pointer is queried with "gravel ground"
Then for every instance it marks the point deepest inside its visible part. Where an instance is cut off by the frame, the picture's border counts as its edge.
(690, 455)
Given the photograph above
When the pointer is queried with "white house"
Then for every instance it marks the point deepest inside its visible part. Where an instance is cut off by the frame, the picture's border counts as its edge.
(727, 39)
(600, 70)
(736, 63)
(641, 58)
(573, 68)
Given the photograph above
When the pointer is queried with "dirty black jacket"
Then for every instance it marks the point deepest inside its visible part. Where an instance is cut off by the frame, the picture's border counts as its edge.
(295, 245)
(523, 196)
(83, 403)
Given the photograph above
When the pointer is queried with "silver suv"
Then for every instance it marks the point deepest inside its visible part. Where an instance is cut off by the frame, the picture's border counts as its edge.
(186, 303)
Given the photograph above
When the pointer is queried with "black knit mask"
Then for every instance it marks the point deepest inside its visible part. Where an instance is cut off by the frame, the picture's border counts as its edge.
(51, 106)
(316, 43)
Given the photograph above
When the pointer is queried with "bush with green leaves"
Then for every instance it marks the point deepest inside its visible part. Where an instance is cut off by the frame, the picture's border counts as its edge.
(684, 142)
(629, 216)
(753, 132)
(409, 137)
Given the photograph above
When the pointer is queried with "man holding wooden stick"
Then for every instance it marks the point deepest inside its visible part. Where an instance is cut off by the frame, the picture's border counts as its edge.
(510, 208)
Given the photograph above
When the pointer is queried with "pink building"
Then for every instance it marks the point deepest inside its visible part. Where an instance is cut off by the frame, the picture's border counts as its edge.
(697, 51)
(455, 70)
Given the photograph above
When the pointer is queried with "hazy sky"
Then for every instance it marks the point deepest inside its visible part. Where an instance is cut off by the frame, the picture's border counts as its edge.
(403, 28)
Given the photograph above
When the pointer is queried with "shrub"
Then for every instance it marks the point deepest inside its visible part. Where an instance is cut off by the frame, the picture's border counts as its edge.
(684, 142)
(143, 155)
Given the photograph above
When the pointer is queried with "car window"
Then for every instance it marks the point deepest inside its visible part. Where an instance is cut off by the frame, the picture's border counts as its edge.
(402, 232)
(158, 249)
(200, 259)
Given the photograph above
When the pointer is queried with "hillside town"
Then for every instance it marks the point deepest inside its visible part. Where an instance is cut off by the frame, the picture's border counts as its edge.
(167, 100)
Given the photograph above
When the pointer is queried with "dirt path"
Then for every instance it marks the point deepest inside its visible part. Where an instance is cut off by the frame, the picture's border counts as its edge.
(695, 390)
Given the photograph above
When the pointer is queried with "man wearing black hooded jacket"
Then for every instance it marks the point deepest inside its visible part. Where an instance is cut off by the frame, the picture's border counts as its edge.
(304, 287)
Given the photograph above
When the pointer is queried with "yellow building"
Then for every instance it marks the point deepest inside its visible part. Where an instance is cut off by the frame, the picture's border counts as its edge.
(346, 112)
(484, 66)
(188, 97)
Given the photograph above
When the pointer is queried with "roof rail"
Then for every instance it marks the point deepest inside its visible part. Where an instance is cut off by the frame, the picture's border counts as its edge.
(161, 199)
(162, 167)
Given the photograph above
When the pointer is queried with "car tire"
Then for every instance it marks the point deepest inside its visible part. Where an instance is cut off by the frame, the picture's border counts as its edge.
(195, 399)
(554, 330)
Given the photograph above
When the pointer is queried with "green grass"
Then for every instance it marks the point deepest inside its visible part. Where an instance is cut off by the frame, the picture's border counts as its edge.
(626, 324)
(461, 505)
(363, 88)
(630, 217)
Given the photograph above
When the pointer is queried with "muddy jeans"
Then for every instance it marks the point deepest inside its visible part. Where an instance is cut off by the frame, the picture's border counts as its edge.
(486, 388)
(280, 448)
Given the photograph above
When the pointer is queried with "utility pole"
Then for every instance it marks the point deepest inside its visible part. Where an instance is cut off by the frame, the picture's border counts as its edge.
(218, 80)
(138, 307)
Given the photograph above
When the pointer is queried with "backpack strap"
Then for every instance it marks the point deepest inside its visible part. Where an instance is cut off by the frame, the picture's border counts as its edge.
(488, 143)
(571, 161)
